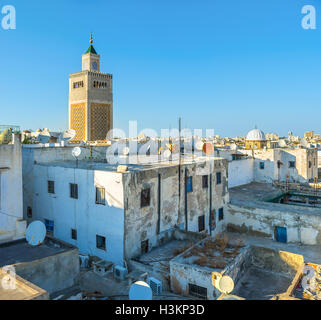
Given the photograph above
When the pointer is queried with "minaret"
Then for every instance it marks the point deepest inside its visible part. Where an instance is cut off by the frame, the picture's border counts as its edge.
(90, 99)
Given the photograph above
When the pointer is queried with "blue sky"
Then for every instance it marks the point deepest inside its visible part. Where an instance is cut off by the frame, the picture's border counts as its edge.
(222, 64)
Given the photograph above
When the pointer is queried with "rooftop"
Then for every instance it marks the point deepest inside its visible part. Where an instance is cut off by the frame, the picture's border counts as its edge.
(20, 251)
(24, 290)
(257, 196)
(143, 164)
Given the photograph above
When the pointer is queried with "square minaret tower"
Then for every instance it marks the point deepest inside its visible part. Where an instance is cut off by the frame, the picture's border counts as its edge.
(90, 99)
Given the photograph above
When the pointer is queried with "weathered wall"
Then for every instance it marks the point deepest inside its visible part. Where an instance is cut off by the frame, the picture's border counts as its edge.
(82, 214)
(12, 225)
(306, 165)
(240, 172)
(303, 228)
(283, 262)
(183, 274)
(141, 223)
(53, 273)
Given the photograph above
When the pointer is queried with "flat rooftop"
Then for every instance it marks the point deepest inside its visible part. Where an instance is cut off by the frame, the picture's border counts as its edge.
(143, 164)
(257, 196)
(212, 254)
(20, 251)
(24, 290)
(162, 254)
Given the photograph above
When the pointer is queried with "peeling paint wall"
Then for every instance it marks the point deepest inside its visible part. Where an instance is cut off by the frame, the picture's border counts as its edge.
(141, 224)
(305, 229)
(306, 165)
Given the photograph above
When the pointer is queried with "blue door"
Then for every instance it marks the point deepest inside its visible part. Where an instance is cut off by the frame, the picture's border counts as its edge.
(281, 234)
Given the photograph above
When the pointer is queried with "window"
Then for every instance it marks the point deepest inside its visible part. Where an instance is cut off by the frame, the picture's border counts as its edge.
(73, 190)
(291, 164)
(197, 291)
(205, 182)
(51, 186)
(310, 164)
(218, 178)
(262, 165)
(144, 246)
(279, 164)
(73, 234)
(100, 195)
(201, 223)
(189, 184)
(100, 242)
(145, 198)
(29, 212)
(49, 226)
(220, 214)
(78, 84)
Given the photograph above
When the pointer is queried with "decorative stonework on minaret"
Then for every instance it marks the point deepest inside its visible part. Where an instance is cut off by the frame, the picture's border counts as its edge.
(90, 99)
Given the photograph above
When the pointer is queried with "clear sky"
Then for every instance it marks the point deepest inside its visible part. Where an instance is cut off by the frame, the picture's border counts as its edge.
(222, 64)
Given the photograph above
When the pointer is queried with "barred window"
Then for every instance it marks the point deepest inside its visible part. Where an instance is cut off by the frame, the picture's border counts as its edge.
(197, 291)
(51, 186)
(100, 195)
(100, 242)
(73, 190)
(74, 234)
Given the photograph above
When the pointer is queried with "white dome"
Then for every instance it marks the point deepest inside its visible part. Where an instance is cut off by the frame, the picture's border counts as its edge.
(255, 135)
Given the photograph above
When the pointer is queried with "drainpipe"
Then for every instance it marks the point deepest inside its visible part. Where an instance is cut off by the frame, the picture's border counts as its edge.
(209, 220)
(186, 218)
(159, 204)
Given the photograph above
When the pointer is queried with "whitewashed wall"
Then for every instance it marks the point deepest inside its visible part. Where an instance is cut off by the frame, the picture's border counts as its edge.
(12, 225)
(240, 172)
(82, 214)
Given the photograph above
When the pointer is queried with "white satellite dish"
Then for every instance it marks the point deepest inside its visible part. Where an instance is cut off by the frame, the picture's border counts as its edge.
(140, 290)
(36, 233)
(126, 151)
(199, 145)
(76, 152)
(67, 135)
(226, 285)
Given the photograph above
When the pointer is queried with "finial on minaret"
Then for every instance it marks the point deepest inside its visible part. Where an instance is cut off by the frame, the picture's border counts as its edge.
(91, 38)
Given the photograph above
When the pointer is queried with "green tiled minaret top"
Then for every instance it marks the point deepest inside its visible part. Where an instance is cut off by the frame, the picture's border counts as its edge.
(91, 48)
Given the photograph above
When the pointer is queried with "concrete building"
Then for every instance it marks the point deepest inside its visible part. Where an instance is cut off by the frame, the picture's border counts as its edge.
(261, 210)
(117, 215)
(12, 225)
(90, 99)
(52, 266)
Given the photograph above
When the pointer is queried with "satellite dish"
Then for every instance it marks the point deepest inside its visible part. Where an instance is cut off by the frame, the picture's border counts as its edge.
(67, 135)
(126, 151)
(36, 233)
(76, 152)
(226, 284)
(208, 148)
(140, 290)
(199, 145)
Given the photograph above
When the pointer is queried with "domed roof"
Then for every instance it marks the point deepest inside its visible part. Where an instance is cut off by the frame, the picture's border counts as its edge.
(256, 135)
